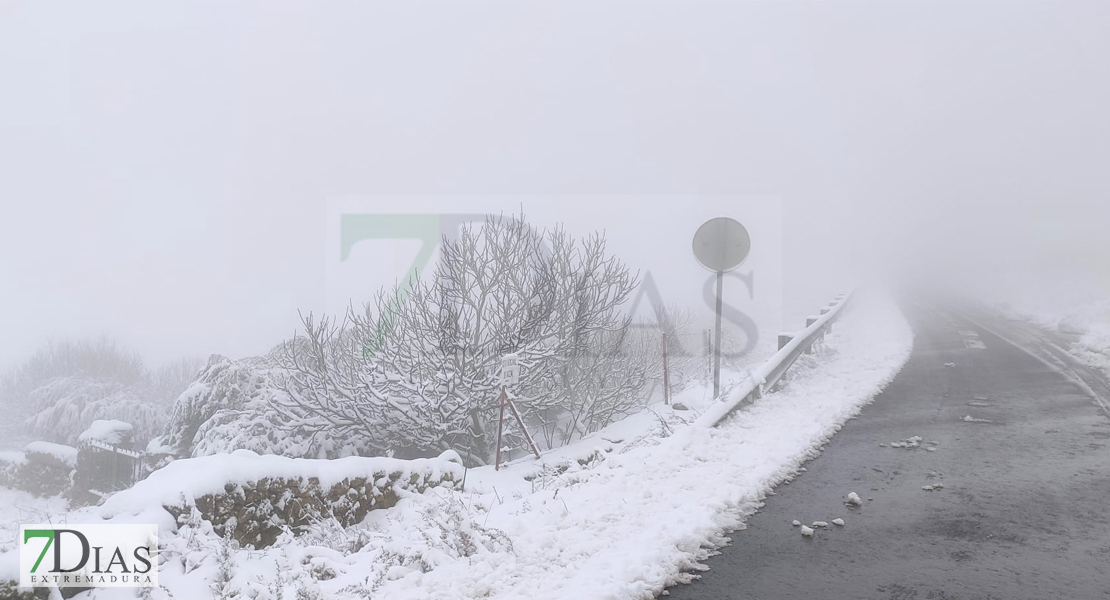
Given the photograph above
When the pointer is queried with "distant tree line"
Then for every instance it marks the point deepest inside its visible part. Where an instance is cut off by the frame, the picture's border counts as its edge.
(66, 385)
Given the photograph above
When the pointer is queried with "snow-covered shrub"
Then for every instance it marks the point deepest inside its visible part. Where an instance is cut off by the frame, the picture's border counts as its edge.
(447, 531)
(418, 377)
(222, 387)
(54, 455)
(10, 463)
(42, 469)
(221, 586)
(596, 385)
(330, 560)
(414, 378)
(66, 386)
(10, 590)
(66, 406)
(230, 407)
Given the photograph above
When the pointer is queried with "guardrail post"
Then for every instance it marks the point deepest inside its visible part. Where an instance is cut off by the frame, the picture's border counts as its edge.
(774, 370)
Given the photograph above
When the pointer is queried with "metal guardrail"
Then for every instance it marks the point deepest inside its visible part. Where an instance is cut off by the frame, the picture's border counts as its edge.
(767, 376)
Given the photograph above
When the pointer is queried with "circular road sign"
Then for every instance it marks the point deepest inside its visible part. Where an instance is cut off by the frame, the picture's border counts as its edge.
(722, 244)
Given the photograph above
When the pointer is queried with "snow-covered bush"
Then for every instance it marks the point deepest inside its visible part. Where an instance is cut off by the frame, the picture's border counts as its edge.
(42, 469)
(223, 386)
(66, 406)
(594, 387)
(418, 377)
(10, 590)
(327, 559)
(230, 407)
(54, 455)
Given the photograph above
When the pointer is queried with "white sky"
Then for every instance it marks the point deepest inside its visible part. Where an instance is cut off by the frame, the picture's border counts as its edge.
(166, 168)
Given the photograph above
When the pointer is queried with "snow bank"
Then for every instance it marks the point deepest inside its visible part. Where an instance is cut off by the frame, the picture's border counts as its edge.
(637, 521)
(623, 515)
(1093, 347)
(1087, 318)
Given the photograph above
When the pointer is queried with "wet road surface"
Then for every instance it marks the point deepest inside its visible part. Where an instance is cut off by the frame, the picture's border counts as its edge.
(1022, 452)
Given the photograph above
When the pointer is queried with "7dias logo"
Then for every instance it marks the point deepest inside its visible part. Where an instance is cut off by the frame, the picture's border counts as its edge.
(88, 556)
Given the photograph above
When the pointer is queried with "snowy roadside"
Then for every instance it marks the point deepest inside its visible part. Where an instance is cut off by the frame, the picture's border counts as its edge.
(16, 508)
(1088, 320)
(634, 523)
(620, 514)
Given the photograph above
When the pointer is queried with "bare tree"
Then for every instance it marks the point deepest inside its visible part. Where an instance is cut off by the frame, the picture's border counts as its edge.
(493, 293)
(329, 385)
(423, 376)
(597, 379)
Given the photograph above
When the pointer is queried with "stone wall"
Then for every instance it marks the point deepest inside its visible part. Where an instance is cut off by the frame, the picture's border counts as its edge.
(255, 498)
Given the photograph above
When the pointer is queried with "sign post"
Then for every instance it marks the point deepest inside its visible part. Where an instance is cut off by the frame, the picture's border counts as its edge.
(510, 375)
(721, 244)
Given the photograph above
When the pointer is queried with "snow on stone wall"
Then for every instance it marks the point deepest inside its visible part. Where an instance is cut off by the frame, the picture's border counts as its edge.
(255, 498)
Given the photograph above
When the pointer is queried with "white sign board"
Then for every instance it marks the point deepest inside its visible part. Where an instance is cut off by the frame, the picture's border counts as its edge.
(510, 370)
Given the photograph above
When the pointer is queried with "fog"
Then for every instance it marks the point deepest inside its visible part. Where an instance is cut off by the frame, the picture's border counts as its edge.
(172, 174)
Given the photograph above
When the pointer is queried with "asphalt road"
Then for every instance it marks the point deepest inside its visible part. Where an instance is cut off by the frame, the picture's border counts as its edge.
(1024, 512)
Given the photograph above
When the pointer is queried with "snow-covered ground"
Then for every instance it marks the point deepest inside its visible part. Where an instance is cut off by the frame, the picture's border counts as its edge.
(619, 514)
(639, 519)
(1087, 318)
(18, 507)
